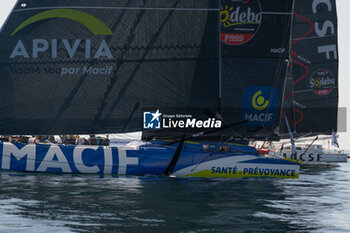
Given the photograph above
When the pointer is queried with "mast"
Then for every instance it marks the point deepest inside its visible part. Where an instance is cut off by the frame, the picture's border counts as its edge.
(288, 79)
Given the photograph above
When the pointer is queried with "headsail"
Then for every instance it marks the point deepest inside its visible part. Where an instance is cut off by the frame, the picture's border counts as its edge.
(85, 66)
(315, 68)
(255, 50)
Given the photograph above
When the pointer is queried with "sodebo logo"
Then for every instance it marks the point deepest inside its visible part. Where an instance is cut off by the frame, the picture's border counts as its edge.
(96, 26)
(322, 82)
(259, 102)
(240, 21)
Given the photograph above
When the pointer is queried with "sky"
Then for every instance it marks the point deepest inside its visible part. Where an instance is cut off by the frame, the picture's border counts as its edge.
(343, 7)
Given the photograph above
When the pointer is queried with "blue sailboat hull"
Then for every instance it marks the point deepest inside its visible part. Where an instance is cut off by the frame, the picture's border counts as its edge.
(148, 159)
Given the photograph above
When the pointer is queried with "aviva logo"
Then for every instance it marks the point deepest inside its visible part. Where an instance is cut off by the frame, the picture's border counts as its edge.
(96, 26)
(60, 48)
(260, 105)
(259, 102)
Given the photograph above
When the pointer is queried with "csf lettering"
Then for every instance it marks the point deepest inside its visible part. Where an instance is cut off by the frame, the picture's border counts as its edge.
(309, 157)
(324, 29)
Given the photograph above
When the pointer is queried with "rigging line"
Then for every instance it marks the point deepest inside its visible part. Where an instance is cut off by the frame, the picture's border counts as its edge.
(276, 13)
(289, 71)
(114, 79)
(213, 85)
(77, 86)
(282, 58)
(120, 8)
(284, 94)
(240, 83)
(262, 57)
(309, 146)
(212, 152)
(228, 77)
(287, 52)
(280, 64)
(130, 79)
(216, 150)
(295, 110)
(136, 106)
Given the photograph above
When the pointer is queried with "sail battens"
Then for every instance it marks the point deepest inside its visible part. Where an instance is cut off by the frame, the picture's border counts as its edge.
(119, 8)
(276, 13)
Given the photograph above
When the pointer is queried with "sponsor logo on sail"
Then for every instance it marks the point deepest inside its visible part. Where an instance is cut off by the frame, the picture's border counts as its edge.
(29, 46)
(260, 105)
(326, 27)
(322, 82)
(259, 102)
(240, 21)
(41, 46)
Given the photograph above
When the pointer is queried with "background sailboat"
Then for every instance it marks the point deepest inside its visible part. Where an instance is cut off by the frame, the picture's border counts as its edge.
(311, 92)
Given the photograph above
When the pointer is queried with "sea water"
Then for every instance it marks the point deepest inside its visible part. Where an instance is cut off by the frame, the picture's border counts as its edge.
(319, 201)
